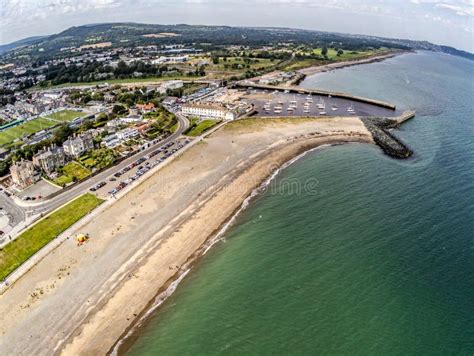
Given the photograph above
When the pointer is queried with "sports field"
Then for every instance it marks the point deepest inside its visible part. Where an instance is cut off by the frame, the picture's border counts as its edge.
(66, 115)
(28, 128)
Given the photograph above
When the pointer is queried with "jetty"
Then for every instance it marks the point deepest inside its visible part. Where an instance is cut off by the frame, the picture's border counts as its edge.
(388, 142)
(295, 89)
(407, 115)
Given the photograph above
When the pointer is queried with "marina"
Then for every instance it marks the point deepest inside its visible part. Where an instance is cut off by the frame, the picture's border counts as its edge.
(284, 103)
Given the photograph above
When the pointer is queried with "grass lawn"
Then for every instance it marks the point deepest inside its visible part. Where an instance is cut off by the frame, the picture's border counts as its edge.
(347, 55)
(72, 172)
(37, 236)
(255, 63)
(28, 128)
(332, 57)
(196, 130)
(66, 115)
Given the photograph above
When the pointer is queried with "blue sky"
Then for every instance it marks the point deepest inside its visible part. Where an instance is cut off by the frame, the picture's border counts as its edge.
(449, 22)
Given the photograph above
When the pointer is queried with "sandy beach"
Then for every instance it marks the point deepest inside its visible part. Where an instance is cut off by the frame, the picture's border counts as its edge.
(80, 300)
(338, 65)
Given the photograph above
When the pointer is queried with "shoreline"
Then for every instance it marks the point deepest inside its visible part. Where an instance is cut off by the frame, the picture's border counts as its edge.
(339, 65)
(82, 338)
(127, 339)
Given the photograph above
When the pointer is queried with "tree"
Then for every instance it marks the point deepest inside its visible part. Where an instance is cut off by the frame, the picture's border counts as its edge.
(324, 51)
(340, 52)
(119, 110)
(61, 134)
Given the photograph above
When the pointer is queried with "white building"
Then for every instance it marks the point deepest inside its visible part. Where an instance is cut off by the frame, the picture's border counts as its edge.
(171, 85)
(212, 111)
(127, 134)
(175, 59)
(111, 141)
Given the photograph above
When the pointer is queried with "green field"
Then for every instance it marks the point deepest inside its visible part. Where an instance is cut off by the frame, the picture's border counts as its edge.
(37, 236)
(72, 172)
(347, 55)
(297, 64)
(66, 115)
(28, 128)
(198, 129)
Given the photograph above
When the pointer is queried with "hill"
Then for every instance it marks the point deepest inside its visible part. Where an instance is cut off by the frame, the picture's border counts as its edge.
(208, 37)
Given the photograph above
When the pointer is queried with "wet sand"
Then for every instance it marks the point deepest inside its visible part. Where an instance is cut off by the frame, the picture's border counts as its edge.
(80, 300)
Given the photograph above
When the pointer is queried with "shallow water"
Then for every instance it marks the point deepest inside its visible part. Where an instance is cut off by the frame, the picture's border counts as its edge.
(374, 257)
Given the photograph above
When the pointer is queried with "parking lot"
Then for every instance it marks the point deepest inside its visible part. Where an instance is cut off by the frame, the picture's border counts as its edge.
(117, 182)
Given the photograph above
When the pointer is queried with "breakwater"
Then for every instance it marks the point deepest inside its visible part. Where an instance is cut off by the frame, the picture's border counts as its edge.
(388, 142)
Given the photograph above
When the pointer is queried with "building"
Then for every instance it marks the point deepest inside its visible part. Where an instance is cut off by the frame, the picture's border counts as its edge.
(109, 97)
(170, 85)
(143, 127)
(171, 59)
(23, 174)
(145, 107)
(49, 159)
(212, 111)
(127, 134)
(111, 141)
(77, 145)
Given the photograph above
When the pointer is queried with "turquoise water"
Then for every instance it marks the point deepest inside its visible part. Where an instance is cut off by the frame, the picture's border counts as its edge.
(378, 260)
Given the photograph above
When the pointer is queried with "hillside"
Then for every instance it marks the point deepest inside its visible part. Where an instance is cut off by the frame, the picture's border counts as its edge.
(206, 37)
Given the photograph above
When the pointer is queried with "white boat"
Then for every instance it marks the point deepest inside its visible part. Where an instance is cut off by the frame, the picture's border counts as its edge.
(322, 113)
(306, 111)
(321, 104)
(334, 107)
(350, 109)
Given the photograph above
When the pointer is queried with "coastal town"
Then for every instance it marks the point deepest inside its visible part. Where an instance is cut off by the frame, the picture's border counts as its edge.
(96, 137)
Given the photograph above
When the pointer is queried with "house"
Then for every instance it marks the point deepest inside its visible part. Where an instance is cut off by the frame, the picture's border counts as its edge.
(145, 107)
(127, 134)
(77, 145)
(109, 97)
(212, 111)
(131, 119)
(24, 174)
(111, 141)
(143, 128)
(49, 159)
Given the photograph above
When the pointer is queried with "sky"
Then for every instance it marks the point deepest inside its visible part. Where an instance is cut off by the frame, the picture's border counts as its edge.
(448, 22)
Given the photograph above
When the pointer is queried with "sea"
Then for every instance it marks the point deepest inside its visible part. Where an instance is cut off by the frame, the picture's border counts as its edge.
(347, 251)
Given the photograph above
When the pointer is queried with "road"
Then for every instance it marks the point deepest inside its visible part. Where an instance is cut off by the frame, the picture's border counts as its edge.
(47, 205)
